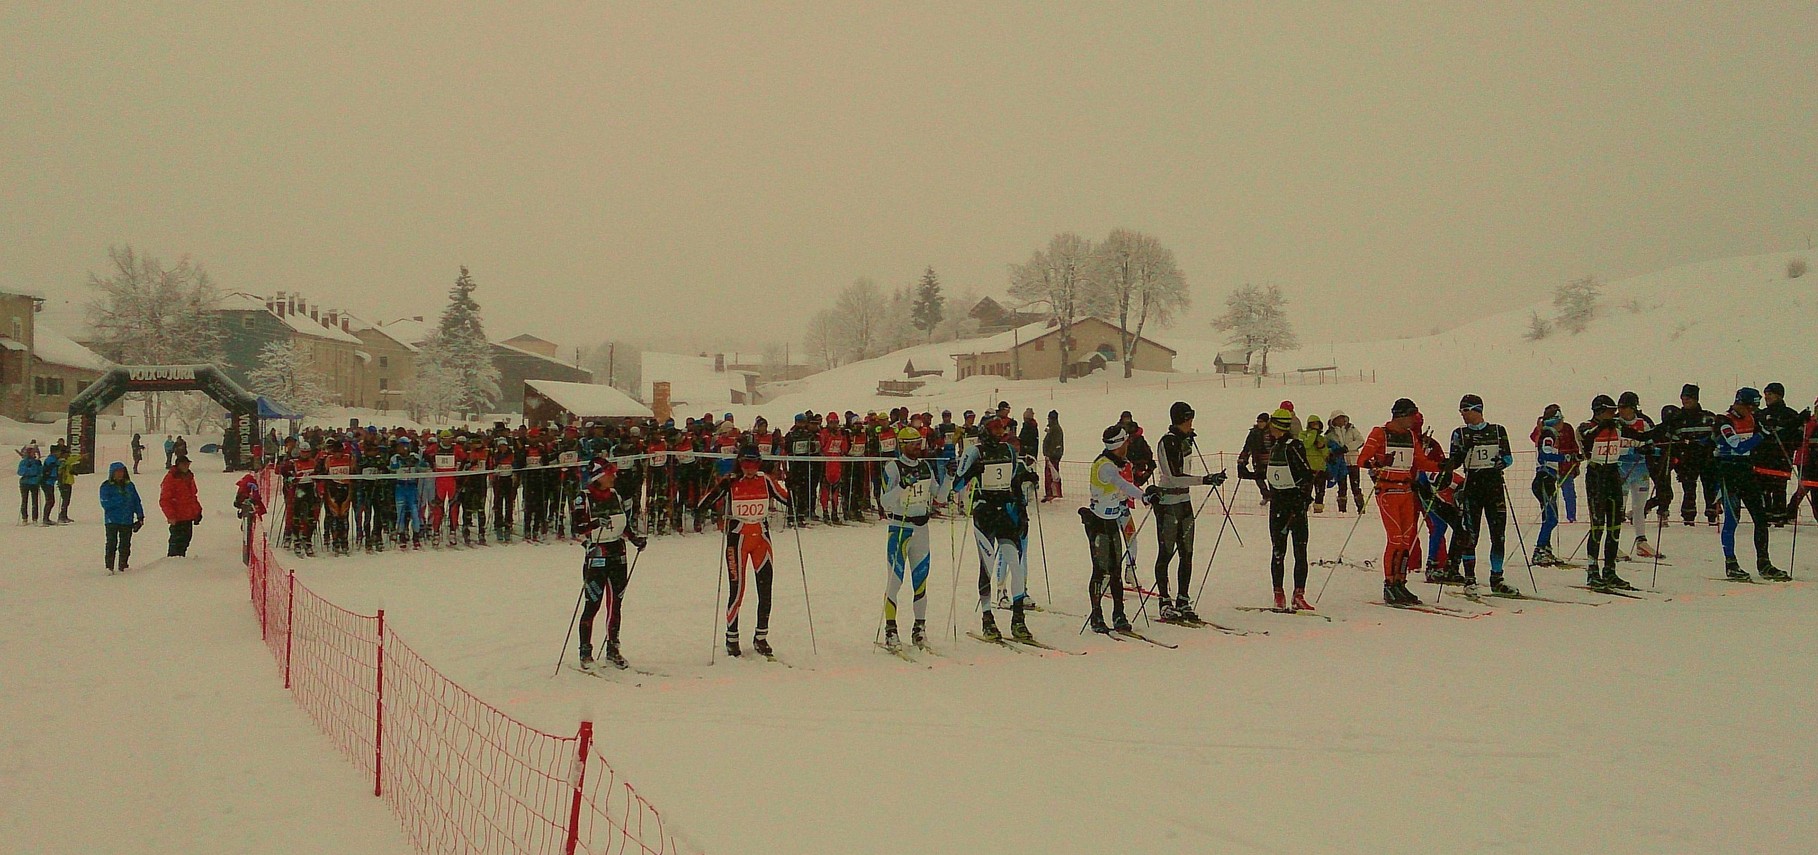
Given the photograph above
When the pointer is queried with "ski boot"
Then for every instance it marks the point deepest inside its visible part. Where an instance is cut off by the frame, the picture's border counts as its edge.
(1733, 570)
(1169, 612)
(1096, 623)
(613, 655)
(1130, 579)
(732, 646)
(1498, 586)
(1471, 590)
(1119, 623)
(1319, 508)
(1184, 608)
(1766, 570)
(1391, 596)
(1018, 629)
(761, 646)
(891, 640)
(1281, 599)
(1615, 582)
(1643, 549)
(1544, 557)
(918, 634)
(988, 629)
(1300, 603)
(586, 657)
(1407, 597)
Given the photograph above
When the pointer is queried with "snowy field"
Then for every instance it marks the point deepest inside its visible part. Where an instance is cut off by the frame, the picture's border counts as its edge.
(1679, 722)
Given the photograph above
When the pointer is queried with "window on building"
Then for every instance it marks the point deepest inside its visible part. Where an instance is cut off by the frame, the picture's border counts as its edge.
(18, 330)
(1041, 344)
(384, 384)
(384, 362)
(246, 321)
(47, 386)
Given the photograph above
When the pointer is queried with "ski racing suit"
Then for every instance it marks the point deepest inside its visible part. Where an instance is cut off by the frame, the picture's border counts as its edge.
(1104, 514)
(909, 490)
(599, 518)
(1604, 442)
(748, 498)
(1394, 457)
(1174, 516)
(1549, 459)
(1290, 481)
(1481, 452)
(1637, 480)
(1737, 436)
(1000, 518)
(1694, 432)
(404, 498)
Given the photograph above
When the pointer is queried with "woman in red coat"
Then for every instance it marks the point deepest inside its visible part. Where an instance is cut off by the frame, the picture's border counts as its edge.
(182, 507)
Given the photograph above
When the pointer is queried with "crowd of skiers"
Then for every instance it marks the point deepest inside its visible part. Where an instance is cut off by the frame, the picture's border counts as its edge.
(614, 485)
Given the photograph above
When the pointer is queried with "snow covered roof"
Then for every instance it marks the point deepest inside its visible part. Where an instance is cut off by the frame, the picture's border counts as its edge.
(240, 301)
(407, 330)
(1234, 357)
(1002, 342)
(531, 353)
(589, 400)
(692, 380)
(396, 335)
(56, 348)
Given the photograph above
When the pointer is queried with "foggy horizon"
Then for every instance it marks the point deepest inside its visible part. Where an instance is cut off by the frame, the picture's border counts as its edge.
(711, 175)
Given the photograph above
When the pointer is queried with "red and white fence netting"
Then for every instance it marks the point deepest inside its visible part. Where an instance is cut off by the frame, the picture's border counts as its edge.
(461, 775)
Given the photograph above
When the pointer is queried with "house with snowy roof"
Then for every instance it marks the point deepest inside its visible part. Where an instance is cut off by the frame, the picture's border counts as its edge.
(249, 322)
(41, 369)
(1033, 351)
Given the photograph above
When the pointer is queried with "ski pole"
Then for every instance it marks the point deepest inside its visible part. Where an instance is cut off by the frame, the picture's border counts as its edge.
(1221, 497)
(1042, 538)
(1519, 540)
(953, 562)
(560, 657)
(808, 603)
(720, 571)
(1220, 539)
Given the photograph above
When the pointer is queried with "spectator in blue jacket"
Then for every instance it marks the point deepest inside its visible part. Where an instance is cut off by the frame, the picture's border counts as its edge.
(31, 476)
(47, 480)
(123, 514)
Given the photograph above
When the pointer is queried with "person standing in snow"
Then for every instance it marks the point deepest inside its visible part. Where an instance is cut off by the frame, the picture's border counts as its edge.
(1174, 515)
(1054, 445)
(31, 475)
(1103, 517)
(122, 514)
(1605, 438)
(138, 447)
(249, 506)
(1395, 453)
(603, 522)
(1340, 430)
(1251, 460)
(66, 481)
(181, 504)
(53, 463)
(1313, 439)
(1781, 429)
(910, 493)
(1480, 450)
(999, 484)
(1737, 435)
(170, 450)
(1549, 438)
(1637, 482)
(1290, 482)
(1805, 460)
(1693, 433)
(749, 495)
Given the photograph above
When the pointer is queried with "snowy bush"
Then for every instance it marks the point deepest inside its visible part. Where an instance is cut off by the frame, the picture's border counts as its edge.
(1795, 268)
(1576, 302)
(1538, 327)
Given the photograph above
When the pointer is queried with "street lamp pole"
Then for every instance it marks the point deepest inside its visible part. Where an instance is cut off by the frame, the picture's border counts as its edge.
(1016, 334)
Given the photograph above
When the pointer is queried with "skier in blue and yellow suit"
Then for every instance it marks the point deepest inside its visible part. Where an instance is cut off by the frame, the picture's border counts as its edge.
(910, 491)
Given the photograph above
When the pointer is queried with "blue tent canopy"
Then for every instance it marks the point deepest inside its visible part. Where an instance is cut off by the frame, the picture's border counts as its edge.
(269, 409)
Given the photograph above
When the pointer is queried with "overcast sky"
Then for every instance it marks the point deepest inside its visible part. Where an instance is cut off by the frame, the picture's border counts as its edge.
(716, 170)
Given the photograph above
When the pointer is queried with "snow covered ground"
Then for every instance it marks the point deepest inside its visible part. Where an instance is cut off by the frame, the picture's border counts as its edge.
(1676, 723)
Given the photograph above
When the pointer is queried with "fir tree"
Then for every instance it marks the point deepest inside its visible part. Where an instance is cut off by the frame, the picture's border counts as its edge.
(928, 311)
(460, 350)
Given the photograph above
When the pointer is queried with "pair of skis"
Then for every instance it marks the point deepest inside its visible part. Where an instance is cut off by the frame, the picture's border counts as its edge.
(1010, 642)
(1285, 611)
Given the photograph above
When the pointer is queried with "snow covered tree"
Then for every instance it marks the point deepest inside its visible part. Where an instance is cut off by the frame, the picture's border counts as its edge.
(960, 324)
(929, 304)
(823, 339)
(620, 362)
(147, 314)
(1257, 319)
(287, 374)
(1538, 327)
(898, 329)
(1059, 275)
(437, 389)
(1135, 280)
(196, 413)
(1576, 303)
(460, 346)
(860, 311)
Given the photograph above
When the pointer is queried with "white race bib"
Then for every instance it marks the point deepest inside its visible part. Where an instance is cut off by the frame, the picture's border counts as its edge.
(569, 458)
(801, 448)
(607, 529)
(659, 458)
(996, 476)
(684, 457)
(533, 460)
(503, 469)
(340, 470)
(445, 461)
(1280, 476)
(887, 445)
(1482, 457)
(1401, 458)
(750, 510)
(915, 498)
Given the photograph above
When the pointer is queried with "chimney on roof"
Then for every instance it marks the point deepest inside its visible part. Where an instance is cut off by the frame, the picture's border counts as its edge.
(719, 363)
(346, 325)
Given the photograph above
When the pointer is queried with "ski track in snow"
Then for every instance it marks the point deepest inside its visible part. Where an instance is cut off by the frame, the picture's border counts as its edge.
(1676, 724)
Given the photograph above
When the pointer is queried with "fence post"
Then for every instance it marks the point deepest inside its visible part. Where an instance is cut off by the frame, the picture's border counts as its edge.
(378, 730)
(583, 741)
(290, 615)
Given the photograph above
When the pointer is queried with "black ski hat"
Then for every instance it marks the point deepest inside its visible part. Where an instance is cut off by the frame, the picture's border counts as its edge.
(1602, 402)
(1689, 390)
(1668, 413)
(1471, 402)
(1628, 399)
(1403, 407)
(1774, 389)
(1180, 412)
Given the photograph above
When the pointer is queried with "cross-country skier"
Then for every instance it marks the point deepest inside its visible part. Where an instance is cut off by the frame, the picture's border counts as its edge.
(1054, 444)
(1549, 433)
(1174, 516)
(599, 517)
(337, 496)
(1694, 435)
(406, 490)
(1805, 460)
(910, 492)
(504, 488)
(748, 495)
(1480, 450)
(1103, 516)
(1250, 460)
(1000, 486)
(470, 490)
(1394, 454)
(1781, 429)
(1605, 438)
(1737, 436)
(1290, 482)
(1637, 484)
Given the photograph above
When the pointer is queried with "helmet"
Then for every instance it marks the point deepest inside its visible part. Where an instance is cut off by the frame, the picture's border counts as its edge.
(1178, 413)
(908, 434)
(1628, 399)
(1748, 395)
(1602, 402)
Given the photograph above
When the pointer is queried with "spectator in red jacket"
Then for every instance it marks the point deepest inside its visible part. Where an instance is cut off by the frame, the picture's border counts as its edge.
(182, 506)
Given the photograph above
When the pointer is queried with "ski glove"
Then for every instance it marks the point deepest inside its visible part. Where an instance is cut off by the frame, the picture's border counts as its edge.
(1151, 495)
(139, 525)
(638, 541)
(1213, 480)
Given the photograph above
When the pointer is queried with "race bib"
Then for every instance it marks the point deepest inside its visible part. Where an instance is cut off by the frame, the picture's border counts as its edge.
(801, 448)
(340, 470)
(502, 470)
(1401, 458)
(445, 461)
(1482, 457)
(685, 457)
(607, 529)
(1280, 476)
(1606, 450)
(887, 445)
(750, 510)
(569, 458)
(370, 470)
(915, 498)
(659, 458)
(996, 476)
(598, 563)
(534, 460)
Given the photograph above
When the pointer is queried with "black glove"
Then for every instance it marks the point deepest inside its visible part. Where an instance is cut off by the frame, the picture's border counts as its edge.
(638, 541)
(198, 520)
(1151, 495)
(1213, 480)
(139, 525)
(1244, 472)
